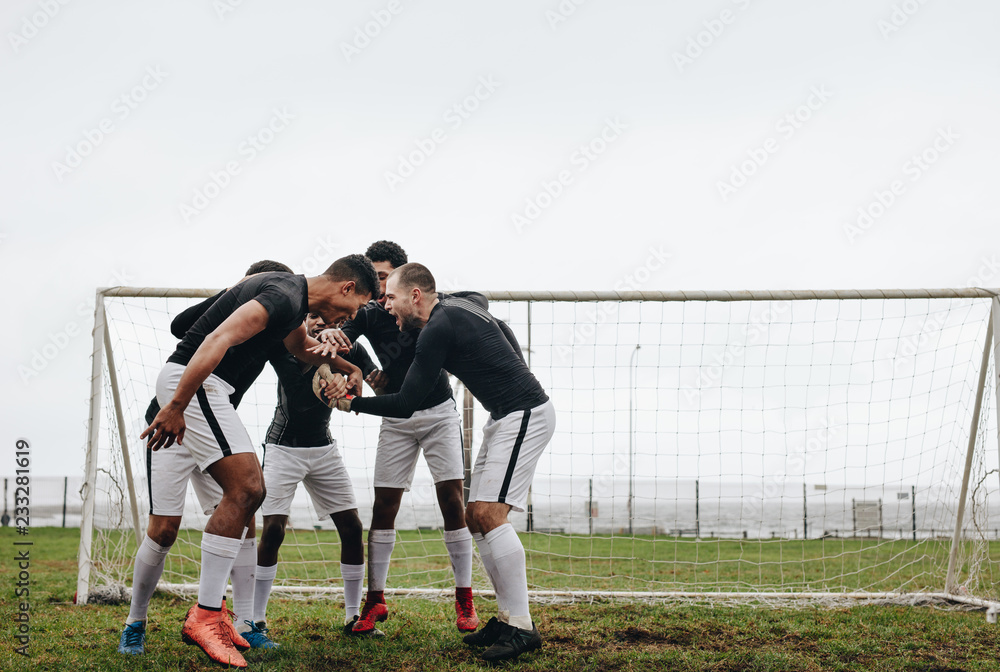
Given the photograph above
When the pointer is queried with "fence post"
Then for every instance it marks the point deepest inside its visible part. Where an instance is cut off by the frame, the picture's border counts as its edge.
(805, 515)
(590, 505)
(65, 487)
(697, 511)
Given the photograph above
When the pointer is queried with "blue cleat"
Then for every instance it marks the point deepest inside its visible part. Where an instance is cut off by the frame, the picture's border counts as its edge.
(257, 636)
(133, 639)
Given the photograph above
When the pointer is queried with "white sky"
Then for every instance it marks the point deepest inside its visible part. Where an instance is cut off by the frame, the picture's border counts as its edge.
(115, 218)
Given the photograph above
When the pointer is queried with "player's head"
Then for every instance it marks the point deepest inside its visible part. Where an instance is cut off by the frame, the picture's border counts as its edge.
(410, 291)
(314, 324)
(386, 256)
(267, 266)
(347, 285)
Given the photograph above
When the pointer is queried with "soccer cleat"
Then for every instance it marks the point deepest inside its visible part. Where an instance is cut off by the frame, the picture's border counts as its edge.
(238, 640)
(512, 643)
(133, 639)
(467, 620)
(371, 613)
(207, 630)
(257, 636)
(487, 636)
(349, 626)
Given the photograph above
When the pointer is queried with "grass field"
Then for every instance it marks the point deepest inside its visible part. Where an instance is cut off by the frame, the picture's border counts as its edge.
(583, 636)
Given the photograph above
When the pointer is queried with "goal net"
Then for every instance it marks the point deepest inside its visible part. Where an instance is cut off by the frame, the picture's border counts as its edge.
(709, 445)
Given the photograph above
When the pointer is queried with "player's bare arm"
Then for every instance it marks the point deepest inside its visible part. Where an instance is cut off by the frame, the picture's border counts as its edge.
(168, 425)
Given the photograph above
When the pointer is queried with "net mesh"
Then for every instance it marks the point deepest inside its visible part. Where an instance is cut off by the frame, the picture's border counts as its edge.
(744, 447)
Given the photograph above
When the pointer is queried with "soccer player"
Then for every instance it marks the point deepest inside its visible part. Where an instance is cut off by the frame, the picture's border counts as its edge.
(249, 319)
(459, 335)
(435, 427)
(300, 449)
(168, 472)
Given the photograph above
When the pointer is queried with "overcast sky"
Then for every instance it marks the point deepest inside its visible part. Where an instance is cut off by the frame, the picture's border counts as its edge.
(516, 145)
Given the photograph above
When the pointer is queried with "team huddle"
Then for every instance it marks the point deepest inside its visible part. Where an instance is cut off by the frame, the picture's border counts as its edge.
(307, 329)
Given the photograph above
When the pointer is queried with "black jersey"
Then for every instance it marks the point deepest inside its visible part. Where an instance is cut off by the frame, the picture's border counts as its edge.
(300, 419)
(462, 337)
(394, 350)
(283, 295)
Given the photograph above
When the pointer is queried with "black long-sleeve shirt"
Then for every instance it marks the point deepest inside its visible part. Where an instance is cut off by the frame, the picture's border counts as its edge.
(462, 337)
(395, 350)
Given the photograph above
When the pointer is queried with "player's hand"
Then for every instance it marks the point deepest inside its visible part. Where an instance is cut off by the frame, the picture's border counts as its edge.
(355, 383)
(334, 388)
(335, 340)
(378, 381)
(167, 426)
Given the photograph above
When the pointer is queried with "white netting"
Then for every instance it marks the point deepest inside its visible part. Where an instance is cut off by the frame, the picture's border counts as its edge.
(740, 447)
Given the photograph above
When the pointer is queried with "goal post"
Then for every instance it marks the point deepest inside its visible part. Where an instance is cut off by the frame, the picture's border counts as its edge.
(709, 445)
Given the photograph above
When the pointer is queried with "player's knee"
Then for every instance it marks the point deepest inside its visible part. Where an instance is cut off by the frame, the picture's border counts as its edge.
(250, 496)
(272, 534)
(349, 528)
(163, 530)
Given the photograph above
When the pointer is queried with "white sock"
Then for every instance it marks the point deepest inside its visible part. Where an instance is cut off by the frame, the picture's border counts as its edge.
(512, 575)
(146, 573)
(262, 590)
(380, 545)
(217, 557)
(354, 576)
(459, 544)
(491, 571)
(242, 576)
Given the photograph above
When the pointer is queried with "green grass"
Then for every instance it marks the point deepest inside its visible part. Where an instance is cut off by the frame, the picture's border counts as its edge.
(598, 636)
(640, 563)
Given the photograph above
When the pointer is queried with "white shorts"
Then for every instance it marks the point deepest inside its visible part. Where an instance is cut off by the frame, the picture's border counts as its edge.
(168, 471)
(505, 465)
(320, 469)
(214, 430)
(436, 430)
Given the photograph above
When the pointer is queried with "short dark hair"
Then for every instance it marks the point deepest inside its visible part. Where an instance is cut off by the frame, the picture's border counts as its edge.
(268, 266)
(386, 250)
(356, 267)
(416, 275)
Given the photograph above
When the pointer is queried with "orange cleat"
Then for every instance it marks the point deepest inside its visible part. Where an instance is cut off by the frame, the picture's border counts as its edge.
(238, 641)
(467, 620)
(207, 630)
(371, 613)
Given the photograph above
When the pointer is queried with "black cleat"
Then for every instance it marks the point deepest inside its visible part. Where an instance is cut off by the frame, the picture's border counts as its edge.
(486, 636)
(349, 626)
(512, 643)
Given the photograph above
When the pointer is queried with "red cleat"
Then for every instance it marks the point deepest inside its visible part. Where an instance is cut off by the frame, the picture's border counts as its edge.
(237, 639)
(207, 630)
(371, 613)
(467, 620)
